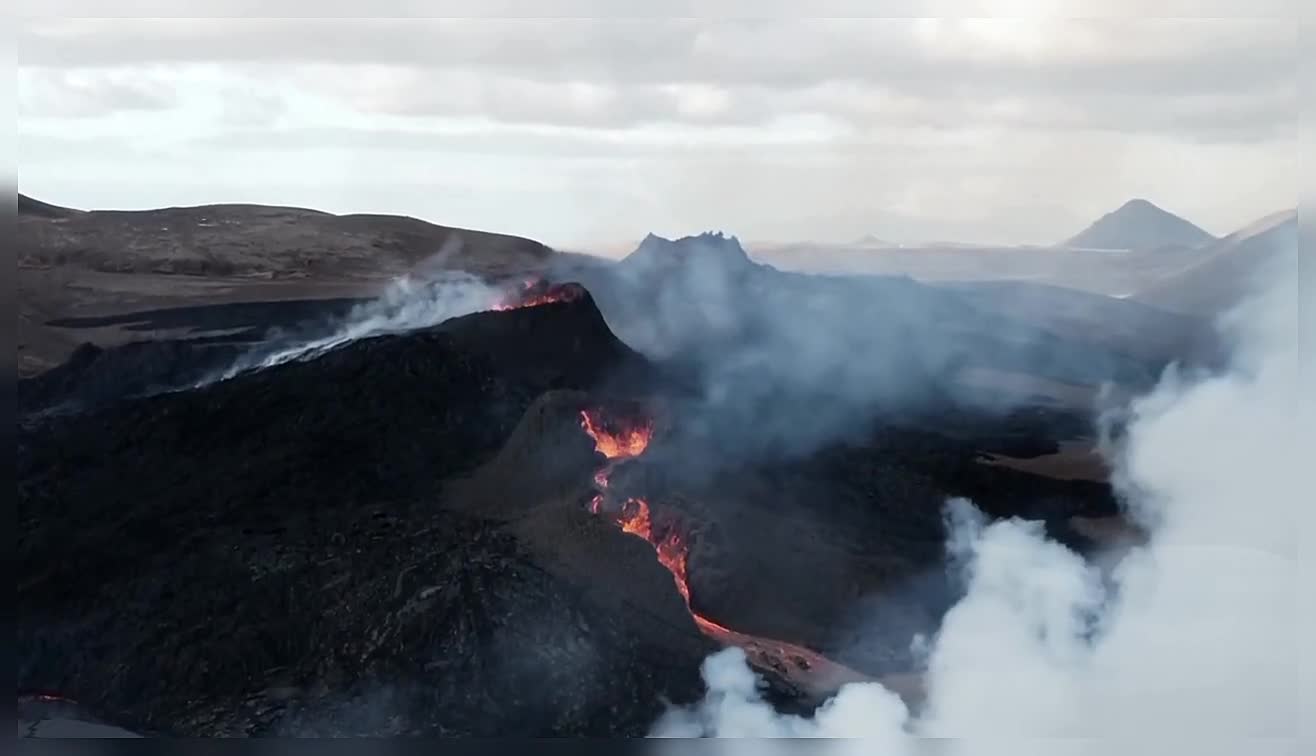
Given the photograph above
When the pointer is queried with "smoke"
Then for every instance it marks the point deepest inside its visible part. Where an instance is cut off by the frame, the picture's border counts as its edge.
(803, 360)
(409, 303)
(1205, 631)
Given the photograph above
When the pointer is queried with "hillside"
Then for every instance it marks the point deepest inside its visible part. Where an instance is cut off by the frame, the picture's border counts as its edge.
(1228, 269)
(252, 240)
(1138, 225)
(32, 207)
(75, 264)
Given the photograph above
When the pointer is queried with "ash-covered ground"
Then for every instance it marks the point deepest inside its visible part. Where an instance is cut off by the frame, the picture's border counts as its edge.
(408, 533)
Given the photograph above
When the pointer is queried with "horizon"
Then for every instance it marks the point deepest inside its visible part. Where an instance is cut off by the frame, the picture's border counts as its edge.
(622, 247)
(997, 132)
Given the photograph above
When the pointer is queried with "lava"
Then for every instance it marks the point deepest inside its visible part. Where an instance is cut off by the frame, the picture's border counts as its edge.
(537, 292)
(669, 542)
(616, 443)
(787, 659)
(635, 518)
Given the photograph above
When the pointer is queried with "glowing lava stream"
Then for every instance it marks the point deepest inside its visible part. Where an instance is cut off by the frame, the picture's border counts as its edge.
(537, 292)
(823, 675)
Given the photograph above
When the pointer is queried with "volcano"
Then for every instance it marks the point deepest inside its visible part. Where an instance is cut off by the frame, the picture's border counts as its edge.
(274, 540)
(502, 524)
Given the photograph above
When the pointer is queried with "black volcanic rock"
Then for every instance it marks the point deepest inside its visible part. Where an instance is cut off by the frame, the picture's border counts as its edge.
(1138, 224)
(271, 554)
(93, 376)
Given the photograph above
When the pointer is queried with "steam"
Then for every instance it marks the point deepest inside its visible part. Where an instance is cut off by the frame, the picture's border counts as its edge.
(1205, 631)
(409, 303)
(804, 359)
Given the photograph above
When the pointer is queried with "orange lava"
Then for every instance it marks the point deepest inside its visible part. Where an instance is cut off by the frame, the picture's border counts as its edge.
(536, 292)
(635, 517)
(621, 443)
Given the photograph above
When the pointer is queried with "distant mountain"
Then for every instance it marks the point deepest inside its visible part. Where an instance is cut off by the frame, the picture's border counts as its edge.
(870, 240)
(709, 250)
(1226, 271)
(1138, 224)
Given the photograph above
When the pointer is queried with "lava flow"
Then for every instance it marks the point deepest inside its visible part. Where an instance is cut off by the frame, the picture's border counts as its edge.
(537, 292)
(619, 441)
(615, 441)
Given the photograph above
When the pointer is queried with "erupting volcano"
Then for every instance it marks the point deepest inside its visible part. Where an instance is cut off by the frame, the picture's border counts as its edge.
(619, 440)
(537, 292)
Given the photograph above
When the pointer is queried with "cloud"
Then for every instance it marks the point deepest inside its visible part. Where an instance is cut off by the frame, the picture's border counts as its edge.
(617, 72)
(248, 106)
(82, 93)
(774, 127)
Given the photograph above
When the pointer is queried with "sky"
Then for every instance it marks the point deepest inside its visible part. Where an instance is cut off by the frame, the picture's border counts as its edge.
(590, 131)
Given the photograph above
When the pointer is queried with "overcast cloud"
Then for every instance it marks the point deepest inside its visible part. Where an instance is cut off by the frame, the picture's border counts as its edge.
(579, 131)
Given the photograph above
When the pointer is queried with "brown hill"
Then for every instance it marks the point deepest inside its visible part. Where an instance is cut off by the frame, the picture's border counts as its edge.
(78, 264)
(253, 240)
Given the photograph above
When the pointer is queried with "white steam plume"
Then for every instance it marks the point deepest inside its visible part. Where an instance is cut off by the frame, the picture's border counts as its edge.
(1203, 634)
(407, 304)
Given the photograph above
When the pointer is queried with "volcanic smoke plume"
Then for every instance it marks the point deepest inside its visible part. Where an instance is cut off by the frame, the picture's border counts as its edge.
(785, 363)
(406, 305)
(410, 303)
(1198, 633)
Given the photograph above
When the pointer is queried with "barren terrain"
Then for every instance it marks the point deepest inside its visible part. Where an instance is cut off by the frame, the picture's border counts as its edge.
(535, 518)
(79, 271)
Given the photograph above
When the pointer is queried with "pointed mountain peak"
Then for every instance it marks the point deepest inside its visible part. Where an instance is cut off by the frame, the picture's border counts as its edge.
(1138, 204)
(1139, 224)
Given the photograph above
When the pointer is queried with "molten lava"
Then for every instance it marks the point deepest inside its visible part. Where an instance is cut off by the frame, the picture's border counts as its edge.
(620, 441)
(616, 440)
(635, 518)
(539, 292)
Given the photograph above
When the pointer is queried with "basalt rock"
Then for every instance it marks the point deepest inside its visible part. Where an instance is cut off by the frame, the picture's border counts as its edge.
(271, 554)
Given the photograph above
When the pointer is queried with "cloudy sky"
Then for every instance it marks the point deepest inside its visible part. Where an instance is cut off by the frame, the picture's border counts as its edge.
(581, 131)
